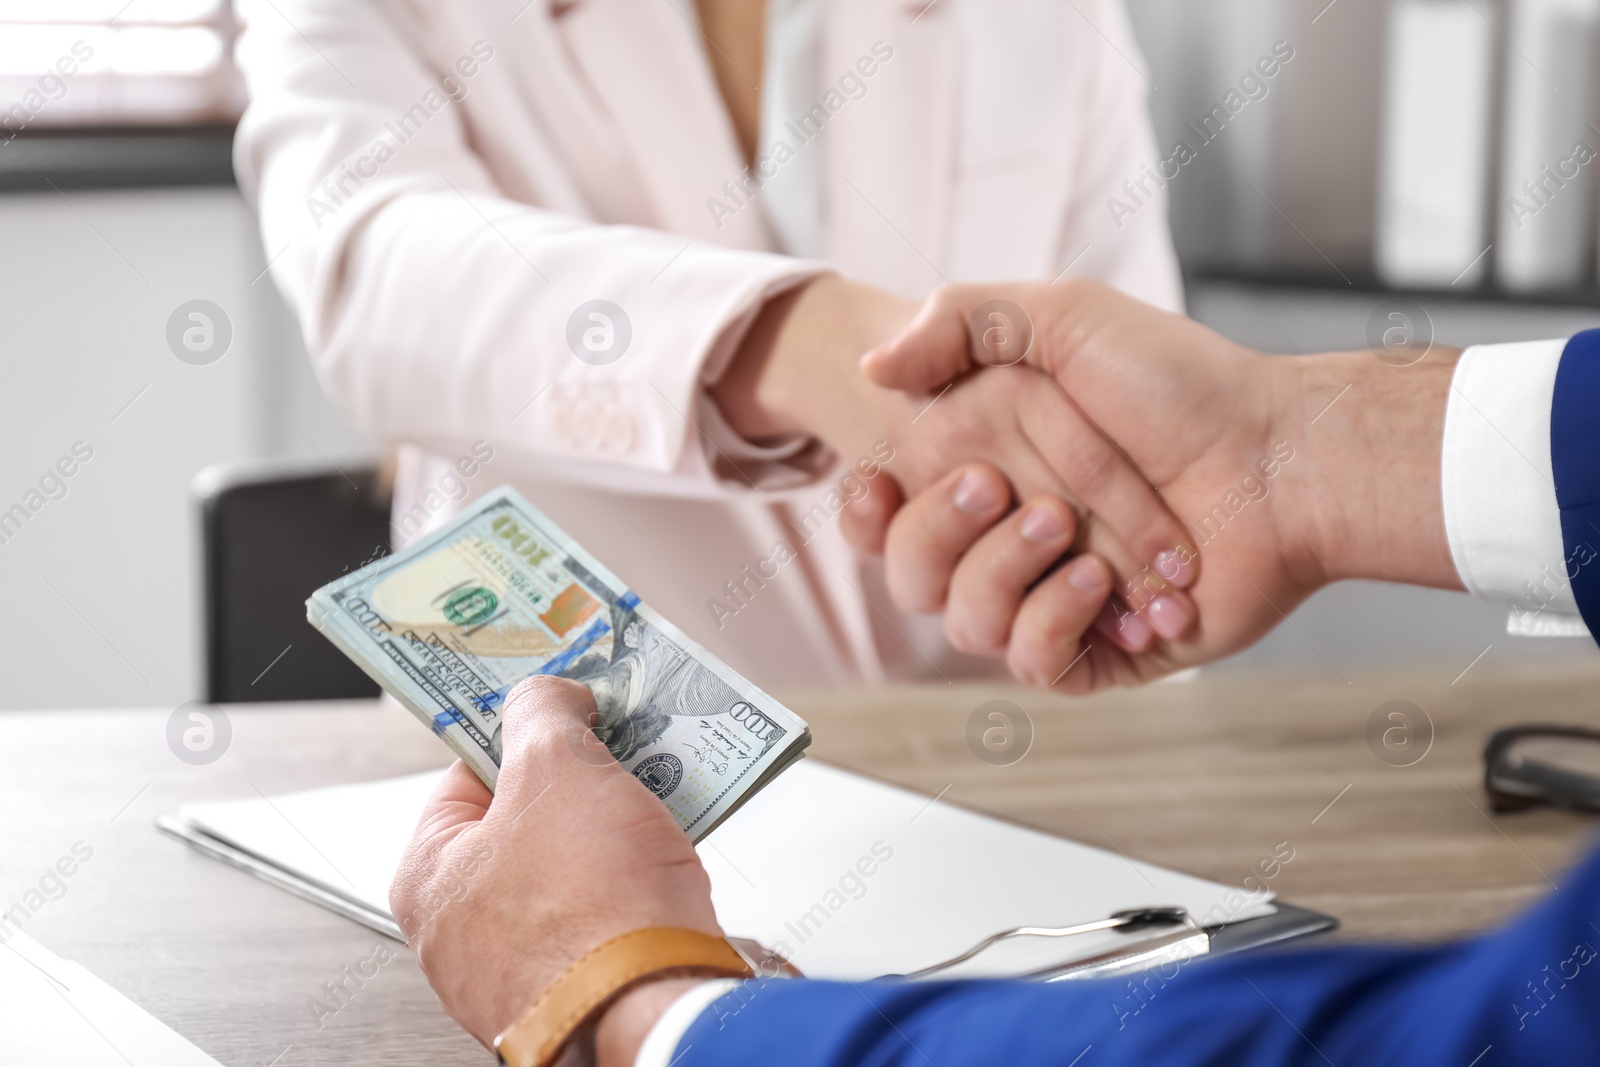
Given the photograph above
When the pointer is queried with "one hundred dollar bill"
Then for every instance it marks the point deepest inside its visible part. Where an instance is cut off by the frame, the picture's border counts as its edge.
(451, 624)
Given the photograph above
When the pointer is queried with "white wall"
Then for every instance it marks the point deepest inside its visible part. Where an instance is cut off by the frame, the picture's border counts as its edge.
(98, 587)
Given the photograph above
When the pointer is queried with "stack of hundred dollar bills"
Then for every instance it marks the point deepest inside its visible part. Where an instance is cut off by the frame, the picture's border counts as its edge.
(451, 624)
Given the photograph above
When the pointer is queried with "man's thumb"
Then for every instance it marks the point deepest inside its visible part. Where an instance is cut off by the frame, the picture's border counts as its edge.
(931, 350)
(546, 729)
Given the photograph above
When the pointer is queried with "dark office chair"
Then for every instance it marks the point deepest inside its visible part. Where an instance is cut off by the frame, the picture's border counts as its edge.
(270, 536)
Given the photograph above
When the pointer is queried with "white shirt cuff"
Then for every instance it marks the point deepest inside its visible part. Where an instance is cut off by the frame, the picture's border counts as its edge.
(1500, 511)
(661, 1043)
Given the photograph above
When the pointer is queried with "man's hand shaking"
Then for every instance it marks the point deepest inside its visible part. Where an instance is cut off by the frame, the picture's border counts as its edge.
(1223, 434)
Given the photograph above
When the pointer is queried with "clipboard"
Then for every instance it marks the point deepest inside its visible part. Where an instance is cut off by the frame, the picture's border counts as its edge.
(845, 876)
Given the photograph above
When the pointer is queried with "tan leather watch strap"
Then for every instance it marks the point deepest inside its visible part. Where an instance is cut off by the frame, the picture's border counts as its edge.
(537, 1038)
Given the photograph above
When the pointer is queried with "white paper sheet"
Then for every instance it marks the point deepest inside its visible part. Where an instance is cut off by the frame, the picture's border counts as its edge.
(850, 877)
(59, 1015)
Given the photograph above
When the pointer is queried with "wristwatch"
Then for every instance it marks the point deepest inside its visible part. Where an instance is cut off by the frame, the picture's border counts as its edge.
(567, 1007)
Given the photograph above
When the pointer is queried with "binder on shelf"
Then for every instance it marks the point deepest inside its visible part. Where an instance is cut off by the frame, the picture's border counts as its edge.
(1434, 166)
(1548, 149)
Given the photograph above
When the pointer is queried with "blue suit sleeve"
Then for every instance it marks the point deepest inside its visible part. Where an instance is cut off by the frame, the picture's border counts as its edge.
(1575, 467)
(1526, 994)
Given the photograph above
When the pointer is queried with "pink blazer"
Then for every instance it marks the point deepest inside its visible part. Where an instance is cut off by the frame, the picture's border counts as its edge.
(443, 183)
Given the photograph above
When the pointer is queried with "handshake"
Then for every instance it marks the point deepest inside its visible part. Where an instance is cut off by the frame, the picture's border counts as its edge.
(1099, 492)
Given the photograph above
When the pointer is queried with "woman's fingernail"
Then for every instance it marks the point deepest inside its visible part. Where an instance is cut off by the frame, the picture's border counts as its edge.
(1134, 630)
(1169, 616)
(1041, 525)
(1176, 565)
(1087, 576)
(976, 493)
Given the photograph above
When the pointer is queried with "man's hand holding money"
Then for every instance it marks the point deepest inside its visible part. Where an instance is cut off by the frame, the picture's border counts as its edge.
(499, 893)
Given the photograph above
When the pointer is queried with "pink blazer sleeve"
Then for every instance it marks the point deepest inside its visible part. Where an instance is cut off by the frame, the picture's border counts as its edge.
(436, 308)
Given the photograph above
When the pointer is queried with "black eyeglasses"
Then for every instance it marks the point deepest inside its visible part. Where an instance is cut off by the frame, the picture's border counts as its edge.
(1532, 766)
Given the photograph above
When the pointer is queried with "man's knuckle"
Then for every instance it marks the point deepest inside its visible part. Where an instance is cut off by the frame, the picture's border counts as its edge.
(947, 297)
(1094, 471)
(913, 595)
(537, 686)
(910, 574)
(1072, 290)
(1054, 622)
(1022, 662)
(967, 635)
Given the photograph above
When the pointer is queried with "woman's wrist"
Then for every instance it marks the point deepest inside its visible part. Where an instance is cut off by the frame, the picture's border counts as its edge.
(797, 369)
(628, 1020)
(1364, 497)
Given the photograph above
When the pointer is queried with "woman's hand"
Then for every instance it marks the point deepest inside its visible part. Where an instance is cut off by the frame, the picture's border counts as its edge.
(499, 893)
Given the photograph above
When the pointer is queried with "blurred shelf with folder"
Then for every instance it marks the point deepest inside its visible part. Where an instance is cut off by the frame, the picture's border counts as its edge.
(1423, 146)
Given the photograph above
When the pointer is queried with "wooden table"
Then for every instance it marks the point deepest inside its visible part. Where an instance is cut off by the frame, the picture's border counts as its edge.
(1210, 777)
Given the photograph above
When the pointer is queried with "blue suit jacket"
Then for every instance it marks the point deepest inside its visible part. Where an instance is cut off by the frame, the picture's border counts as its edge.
(1526, 994)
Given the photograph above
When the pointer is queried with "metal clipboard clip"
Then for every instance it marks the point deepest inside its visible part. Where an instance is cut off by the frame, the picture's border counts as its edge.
(1182, 939)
